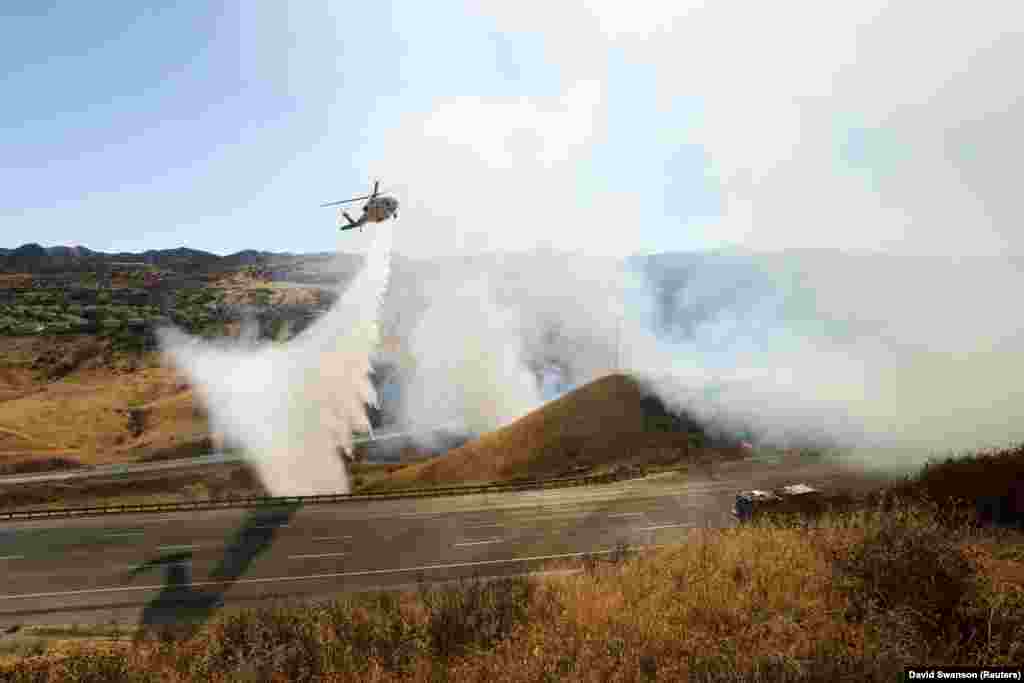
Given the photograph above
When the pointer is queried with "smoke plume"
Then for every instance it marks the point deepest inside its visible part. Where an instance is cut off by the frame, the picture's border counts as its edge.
(863, 231)
(902, 354)
(893, 355)
(469, 367)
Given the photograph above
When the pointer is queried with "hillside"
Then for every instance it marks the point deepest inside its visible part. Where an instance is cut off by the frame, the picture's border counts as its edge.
(605, 423)
(78, 397)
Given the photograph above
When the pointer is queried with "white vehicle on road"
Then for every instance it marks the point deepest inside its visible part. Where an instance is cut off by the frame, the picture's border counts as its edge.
(748, 501)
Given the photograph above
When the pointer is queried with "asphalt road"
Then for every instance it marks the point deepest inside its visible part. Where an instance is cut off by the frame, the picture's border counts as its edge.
(381, 446)
(156, 568)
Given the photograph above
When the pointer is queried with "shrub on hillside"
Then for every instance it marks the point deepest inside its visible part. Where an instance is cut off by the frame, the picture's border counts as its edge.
(914, 587)
(474, 615)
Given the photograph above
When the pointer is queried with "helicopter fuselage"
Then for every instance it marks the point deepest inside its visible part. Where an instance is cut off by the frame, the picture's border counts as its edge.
(379, 209)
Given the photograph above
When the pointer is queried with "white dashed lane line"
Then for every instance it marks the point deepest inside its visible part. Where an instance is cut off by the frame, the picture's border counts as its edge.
(316, 556)
(488, 541)
(12, 557)
(169, 548)
(331, 538)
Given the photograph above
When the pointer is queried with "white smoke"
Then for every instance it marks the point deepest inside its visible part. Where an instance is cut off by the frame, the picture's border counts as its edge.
(898, 354)
(503, 333)
(831, 132)
(861, 351)
(292, 407)
(469, 367)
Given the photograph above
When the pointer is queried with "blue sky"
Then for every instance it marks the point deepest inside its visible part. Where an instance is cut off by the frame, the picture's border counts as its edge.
(602, 126)
(129, 126)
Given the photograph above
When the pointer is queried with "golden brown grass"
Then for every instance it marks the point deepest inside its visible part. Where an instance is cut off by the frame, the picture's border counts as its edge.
(600, 424)
(853, 596)
(107, 408)
(15, 280)
(760, 603)
(86, 412)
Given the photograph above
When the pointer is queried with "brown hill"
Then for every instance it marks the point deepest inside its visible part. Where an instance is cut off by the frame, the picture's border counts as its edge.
(608, 422)
(97, 411)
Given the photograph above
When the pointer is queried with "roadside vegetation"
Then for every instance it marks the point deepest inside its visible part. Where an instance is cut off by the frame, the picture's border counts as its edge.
(910, 575)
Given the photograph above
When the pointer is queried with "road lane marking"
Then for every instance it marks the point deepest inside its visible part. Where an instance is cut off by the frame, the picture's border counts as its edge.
(125, 533)
(319, 555)
(12, 557)
(330, 538)
(168, 548)
(627, 514)
(557, 516)
(270, 526)
(481, 526)
(485, 542)
(666, 526)
(336, 575)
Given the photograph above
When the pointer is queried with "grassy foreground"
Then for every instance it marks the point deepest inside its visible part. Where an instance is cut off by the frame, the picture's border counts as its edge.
(853, 595)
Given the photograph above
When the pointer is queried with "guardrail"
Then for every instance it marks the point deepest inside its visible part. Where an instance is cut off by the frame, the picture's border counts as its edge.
(271, 501)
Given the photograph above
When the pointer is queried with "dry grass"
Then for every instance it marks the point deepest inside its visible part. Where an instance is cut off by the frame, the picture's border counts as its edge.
(858, 599)
(73, 397)
(600, 424)
(857, 596)
(15, 280)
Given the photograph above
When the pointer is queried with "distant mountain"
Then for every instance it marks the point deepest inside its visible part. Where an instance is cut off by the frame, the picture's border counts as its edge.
(69, 252)
(248, 257)
(27, 257)
(34, 258)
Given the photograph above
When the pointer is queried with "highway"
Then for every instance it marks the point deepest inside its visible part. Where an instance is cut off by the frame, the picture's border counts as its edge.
(378, 442)
(156, 568)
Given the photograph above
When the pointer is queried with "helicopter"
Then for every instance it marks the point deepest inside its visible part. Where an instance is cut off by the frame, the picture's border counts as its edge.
(378, 208)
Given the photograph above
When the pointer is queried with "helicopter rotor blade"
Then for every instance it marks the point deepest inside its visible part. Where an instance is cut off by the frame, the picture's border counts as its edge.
(346, 201)
(376, 185)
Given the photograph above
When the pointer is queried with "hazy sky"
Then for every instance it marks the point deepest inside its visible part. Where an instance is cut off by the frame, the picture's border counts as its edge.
(602, 126)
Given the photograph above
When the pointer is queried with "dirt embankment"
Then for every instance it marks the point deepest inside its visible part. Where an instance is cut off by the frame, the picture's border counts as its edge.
(606, 423)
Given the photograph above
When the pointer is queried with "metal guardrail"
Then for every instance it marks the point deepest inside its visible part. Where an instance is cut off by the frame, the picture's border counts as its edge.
(270, 501)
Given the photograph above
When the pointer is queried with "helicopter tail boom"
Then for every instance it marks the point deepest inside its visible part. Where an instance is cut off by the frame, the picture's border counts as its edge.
(351, 223)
